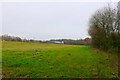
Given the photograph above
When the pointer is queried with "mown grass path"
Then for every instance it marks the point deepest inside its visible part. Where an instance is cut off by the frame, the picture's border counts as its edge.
(35, 60)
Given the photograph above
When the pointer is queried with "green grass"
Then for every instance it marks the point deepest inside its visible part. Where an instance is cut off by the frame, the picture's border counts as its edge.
(35, 60)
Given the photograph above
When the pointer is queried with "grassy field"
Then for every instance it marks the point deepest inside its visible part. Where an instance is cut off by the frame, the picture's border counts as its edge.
(25, 59)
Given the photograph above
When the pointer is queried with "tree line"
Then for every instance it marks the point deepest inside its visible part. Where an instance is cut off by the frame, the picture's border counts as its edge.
(14, 38)
(85, 41)
(10, 38)
(68, 41)
(105, 29)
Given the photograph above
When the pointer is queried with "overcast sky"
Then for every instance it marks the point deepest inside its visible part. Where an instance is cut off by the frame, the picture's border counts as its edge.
(48, 20)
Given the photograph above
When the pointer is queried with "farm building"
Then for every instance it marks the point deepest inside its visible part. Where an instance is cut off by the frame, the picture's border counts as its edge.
(55, 42)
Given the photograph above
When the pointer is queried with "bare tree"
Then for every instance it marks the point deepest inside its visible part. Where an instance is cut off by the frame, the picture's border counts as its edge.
(104, 26)
(118, 26)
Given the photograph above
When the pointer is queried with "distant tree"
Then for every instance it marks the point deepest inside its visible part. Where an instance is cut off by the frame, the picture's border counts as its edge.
(10, 38)
(31, 40)
(0, 38)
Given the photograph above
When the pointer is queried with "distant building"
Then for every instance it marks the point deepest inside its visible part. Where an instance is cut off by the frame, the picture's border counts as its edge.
(55, 42)
(58, 42)
(87, 41)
